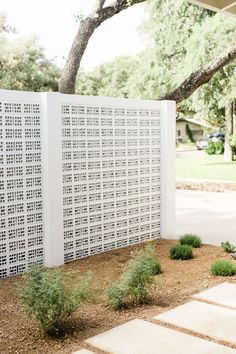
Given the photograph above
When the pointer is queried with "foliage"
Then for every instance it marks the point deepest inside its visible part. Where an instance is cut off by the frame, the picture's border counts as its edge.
(210, 100)
(150, 74)
(136, 279)
(219, 147)
(223, 268)
(117, 294)
(111, 79)
(4, 25)
(191, 240)
(232, 140)
(228, 247)
(181, 252)
(23, 65)
(215, 148)
(46, 298)
(210, 148)
(174, 50)
(189, 133)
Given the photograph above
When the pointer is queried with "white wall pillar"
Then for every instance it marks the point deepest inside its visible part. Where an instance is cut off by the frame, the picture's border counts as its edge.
(52, 179)
(168, 131)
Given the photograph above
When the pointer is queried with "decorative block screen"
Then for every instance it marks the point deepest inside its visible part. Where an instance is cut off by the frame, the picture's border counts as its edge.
(111, 177)
(82, 175)
(21, 206)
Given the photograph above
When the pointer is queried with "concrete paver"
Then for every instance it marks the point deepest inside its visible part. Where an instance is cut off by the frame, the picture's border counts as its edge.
(141, 337)
(222, 294)
(211, 215)
(199, 317)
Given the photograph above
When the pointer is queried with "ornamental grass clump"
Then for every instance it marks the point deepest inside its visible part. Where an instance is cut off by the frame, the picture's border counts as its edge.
(136, 280)
(183, 252)
(46, 298)
(191, 240)
(228, 247)
(223, 268)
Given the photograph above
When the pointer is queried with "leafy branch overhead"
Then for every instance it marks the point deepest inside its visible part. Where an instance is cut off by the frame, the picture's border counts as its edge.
(157, 72)
(201, 76)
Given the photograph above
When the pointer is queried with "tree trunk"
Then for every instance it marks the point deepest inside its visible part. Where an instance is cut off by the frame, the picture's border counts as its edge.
(234, 117)
(229, 113)
(68, 77)
(85, 31)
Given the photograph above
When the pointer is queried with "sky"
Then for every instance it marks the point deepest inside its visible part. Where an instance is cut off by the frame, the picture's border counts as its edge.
(54, 23)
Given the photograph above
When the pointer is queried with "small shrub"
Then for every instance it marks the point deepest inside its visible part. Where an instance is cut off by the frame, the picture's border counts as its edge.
(148, 257)
(210, 148)
(228, 247)
(223, 268)
(136, 279)
(216, 147)
(219, 147)
(191, 240)
(116, 294)
(232, 141)
(46, 298)
(181, 252)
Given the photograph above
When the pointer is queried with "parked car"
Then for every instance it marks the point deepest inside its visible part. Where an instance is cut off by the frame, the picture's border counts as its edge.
(202, 143)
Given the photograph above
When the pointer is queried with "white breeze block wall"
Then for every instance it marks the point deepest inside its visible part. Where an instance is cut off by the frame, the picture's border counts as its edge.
(102, 176)
(21, 189)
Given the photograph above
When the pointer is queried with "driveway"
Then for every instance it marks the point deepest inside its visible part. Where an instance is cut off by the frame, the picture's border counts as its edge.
(189, 153)
(211, 215)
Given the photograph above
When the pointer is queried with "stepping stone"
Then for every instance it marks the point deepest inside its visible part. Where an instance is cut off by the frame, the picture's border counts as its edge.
(211, 320)
(222, 294)
(83, 351)
(141, 337)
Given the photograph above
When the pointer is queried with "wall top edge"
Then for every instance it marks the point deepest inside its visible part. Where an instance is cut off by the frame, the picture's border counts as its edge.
(12, 95)
(67, 98)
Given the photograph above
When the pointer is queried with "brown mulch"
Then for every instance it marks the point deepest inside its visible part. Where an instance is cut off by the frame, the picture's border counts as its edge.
(205, 185)
(178, 281)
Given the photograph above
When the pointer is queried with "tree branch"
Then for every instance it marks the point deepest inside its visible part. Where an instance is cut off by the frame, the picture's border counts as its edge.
(201, 76)
(98, 6)
(85, 31)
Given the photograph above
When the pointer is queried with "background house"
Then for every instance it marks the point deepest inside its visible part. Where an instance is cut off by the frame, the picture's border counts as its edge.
(187, 128)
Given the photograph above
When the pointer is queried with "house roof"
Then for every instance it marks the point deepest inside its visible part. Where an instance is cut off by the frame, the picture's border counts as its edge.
(195, 121)
(223, 6)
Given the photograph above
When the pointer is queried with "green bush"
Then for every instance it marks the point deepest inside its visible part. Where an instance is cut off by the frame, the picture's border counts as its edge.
(232, 140)
(181, 252)
(116, 294)
(136, 279)
(46, 298)
(191, 240)
(215, 148)
(148, 257)
(228, 247)
(223, 268)
(210, 148)
(219, 147)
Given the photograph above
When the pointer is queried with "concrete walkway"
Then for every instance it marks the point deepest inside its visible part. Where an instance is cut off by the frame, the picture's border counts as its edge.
(211, 215)
(213, 321)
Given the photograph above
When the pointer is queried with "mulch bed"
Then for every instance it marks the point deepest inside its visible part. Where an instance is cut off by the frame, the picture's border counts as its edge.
(177, 283)
(205, 185)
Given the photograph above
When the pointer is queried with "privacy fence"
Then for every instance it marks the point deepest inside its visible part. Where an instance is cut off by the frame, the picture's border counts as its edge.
(82, 175)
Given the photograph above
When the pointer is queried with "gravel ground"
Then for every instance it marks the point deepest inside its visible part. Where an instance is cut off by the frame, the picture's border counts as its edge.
(178, 281)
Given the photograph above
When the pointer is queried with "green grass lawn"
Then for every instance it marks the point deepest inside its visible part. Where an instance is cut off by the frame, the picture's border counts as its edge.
(205, 167)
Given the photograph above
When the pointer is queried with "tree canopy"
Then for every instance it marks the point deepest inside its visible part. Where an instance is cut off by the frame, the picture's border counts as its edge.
(23, 65)
(182, 38)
